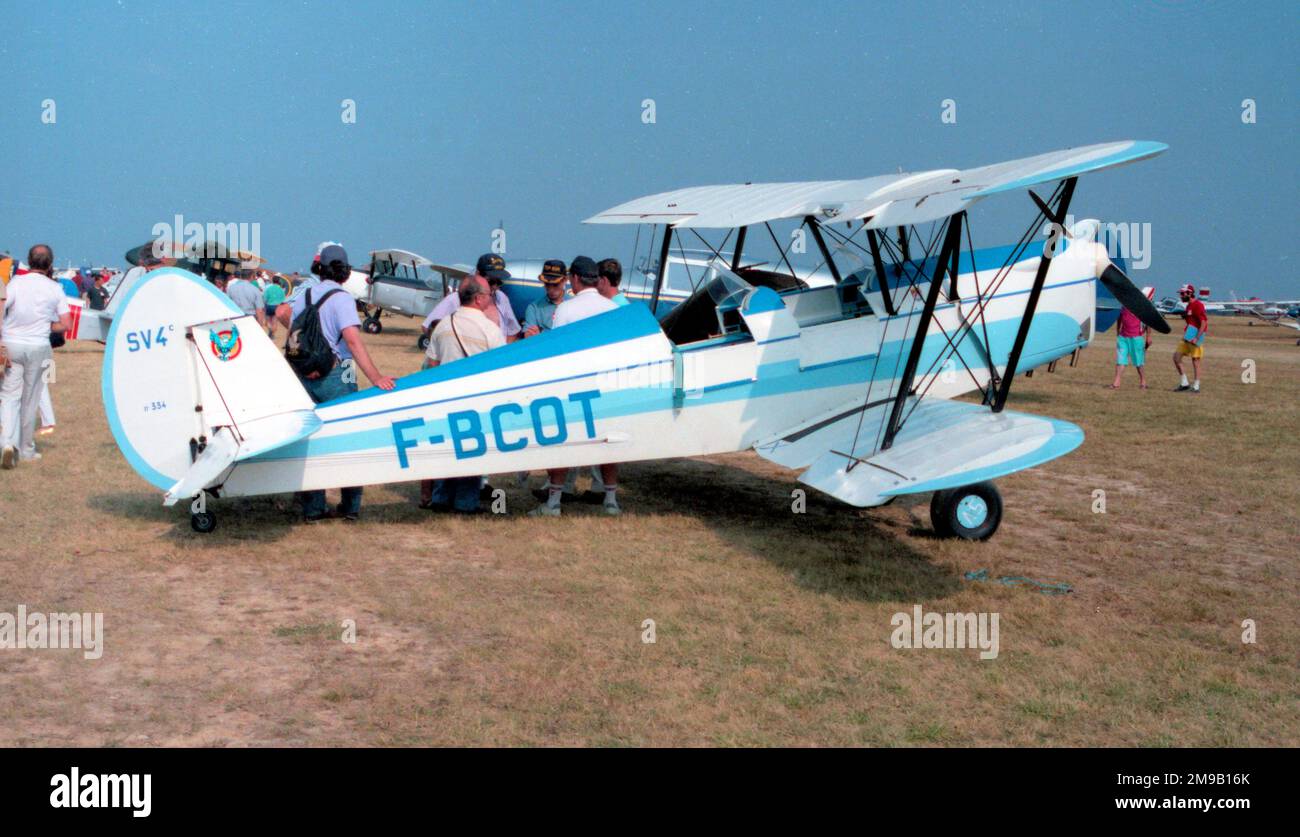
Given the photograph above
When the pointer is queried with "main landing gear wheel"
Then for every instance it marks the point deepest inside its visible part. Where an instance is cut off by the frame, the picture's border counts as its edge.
(372, 325)
(422, 341)
(971, 513)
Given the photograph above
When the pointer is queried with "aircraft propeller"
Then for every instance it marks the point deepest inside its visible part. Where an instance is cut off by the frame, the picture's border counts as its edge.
(1116, 281)
(1132, 298)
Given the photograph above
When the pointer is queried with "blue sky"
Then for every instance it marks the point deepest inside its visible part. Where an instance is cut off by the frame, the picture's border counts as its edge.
(468, 115)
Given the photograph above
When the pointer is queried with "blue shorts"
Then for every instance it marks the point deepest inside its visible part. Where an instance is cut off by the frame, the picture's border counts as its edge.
(1131, 350)
(270, 311)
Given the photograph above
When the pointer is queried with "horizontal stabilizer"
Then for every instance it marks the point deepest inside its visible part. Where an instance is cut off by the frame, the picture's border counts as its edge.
(943, 444)
(220, 452)
(223, 449)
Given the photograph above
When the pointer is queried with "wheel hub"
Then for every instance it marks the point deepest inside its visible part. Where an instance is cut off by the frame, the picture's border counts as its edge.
(972, 511)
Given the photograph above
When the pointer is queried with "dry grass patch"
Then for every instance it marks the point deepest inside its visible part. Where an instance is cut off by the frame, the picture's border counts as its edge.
(772, 628)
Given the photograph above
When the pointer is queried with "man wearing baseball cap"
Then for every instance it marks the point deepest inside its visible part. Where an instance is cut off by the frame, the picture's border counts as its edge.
(540, 315)
(1198, 324)
(586, 302)
(342, 331)
(491, 269)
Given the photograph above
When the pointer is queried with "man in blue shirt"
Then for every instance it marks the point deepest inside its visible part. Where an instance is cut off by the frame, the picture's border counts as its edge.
(611, 274)
(342, 330)
(540, 315)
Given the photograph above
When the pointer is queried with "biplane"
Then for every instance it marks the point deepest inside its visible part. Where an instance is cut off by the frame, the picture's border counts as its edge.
(852, 383)
(206, 259)
(403, 283)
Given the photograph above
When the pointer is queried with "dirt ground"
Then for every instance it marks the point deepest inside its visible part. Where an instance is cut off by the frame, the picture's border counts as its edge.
(770, 627)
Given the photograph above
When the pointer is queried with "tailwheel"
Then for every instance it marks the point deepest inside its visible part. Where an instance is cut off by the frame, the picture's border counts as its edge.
(422, 342)
(972, 512)
(202, 520)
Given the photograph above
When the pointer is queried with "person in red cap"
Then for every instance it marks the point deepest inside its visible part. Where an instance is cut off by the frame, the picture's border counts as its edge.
(1198, 324)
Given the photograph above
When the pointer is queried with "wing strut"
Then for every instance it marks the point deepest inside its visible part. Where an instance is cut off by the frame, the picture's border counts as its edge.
(886, 292)
(951, 241)
(821, 245)
(663, 268)
(740, 248)
(1062, 207)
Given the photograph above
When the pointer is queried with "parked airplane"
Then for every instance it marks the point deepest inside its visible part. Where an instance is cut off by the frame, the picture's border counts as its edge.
(405, 283)
(848, 382)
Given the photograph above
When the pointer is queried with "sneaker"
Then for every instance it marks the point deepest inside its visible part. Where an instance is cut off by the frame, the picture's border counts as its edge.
(611, 509)
(29, 457)
(350, 516)
(328, 514)
(1195, 391)
(1183, 388)
(545, 511)
(9, 458)
(543, 495)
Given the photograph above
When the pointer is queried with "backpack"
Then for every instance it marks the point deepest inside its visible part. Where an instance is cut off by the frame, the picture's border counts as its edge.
(306, 349)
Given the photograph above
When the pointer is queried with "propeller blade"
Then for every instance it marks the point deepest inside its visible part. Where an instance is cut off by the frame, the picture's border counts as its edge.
(1123, 289)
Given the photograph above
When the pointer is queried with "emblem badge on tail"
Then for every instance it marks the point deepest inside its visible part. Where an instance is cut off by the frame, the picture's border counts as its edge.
(225, 344)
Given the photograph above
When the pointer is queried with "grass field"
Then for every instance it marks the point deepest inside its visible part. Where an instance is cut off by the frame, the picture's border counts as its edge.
(772, 628)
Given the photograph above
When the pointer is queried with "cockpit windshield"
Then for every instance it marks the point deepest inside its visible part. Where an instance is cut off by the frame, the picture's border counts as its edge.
(696, 318)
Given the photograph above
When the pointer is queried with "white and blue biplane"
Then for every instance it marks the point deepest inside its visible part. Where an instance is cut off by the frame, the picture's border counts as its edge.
(849, 382)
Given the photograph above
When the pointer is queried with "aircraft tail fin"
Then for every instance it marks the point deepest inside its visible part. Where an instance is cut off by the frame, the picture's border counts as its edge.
(87, 324)
(191, 385)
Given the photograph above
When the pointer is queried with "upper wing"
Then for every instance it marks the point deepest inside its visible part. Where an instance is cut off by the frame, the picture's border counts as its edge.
(884, 201)
(401, 257)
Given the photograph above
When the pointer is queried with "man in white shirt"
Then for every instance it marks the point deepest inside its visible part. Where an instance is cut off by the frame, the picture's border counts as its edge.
(586, 302)
(465, 332)
(34, 306)
(491, 271)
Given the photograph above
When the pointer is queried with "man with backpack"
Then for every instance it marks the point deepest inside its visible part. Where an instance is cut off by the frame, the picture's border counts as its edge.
(324, 348)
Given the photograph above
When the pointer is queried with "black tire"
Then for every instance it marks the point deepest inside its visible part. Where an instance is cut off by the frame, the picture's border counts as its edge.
(422, 342)
(203, 522)
(372, 326)
(972, 512)
(936, 514)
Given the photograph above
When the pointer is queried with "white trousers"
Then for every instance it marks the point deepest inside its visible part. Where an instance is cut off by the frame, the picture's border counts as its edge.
(20, 395)
(46, 408)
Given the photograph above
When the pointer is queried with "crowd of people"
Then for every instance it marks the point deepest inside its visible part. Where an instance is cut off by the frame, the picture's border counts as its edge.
(476, 318)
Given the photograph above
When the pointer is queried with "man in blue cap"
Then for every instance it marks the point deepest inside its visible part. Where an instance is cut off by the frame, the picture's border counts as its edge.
(586, 302)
